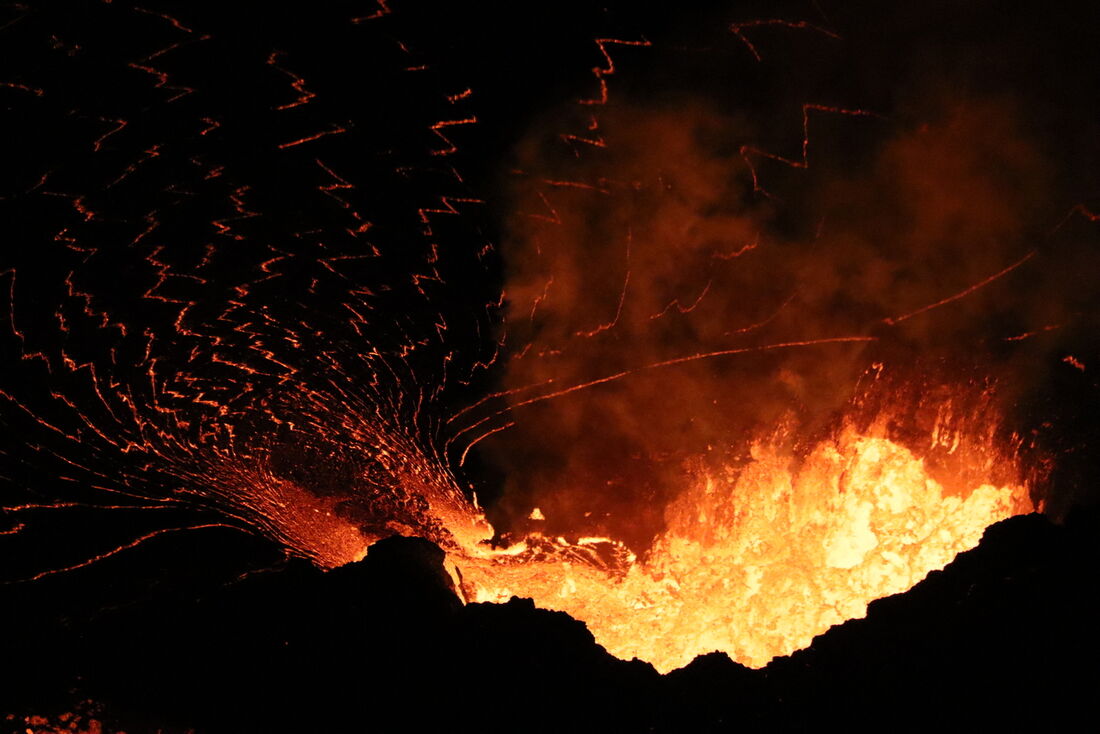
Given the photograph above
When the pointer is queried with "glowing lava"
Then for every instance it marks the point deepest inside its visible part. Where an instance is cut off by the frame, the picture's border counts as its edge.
(759, 557)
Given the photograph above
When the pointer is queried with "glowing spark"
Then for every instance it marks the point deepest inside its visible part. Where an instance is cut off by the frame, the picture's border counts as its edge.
(479, 439)
(622, 298)
(602, 72)
(660, 365)
(804, 161)
(438, 127)
(333, 130)
(383, 10)
(682, 309)
(298, 84)
(23, 88)
(738, 30)
(961, 294)
(1074, 362)
(114, 551)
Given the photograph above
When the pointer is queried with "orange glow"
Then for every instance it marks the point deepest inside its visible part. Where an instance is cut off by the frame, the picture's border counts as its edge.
(82, 721)
(760, 555)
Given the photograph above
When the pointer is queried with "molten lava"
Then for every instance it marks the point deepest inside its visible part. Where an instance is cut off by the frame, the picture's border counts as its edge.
(759, 556)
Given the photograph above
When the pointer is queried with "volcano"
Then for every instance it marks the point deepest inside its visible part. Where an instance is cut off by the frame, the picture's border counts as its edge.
(395, 365)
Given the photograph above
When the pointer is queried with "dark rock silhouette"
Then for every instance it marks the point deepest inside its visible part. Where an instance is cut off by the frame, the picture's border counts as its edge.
(1004, 636)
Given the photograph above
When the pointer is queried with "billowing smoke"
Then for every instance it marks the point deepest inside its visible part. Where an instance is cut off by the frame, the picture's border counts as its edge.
(730, 272)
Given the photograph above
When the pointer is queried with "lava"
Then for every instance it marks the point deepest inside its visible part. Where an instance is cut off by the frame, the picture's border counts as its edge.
(762, 554)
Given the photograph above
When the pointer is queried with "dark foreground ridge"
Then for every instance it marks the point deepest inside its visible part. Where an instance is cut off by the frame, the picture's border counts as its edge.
(1005, 636)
